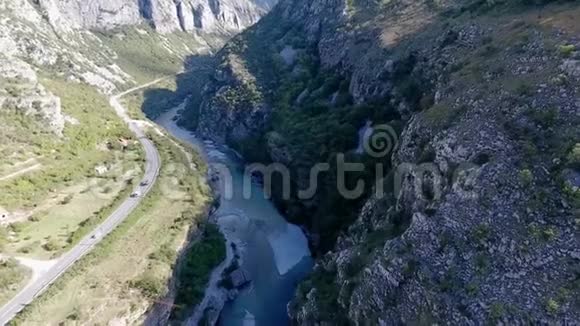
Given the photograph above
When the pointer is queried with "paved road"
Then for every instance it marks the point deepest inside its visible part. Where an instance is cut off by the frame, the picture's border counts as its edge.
(152, 165)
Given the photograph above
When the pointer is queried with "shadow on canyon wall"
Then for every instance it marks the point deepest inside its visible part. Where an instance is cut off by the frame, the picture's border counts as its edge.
(188, 85)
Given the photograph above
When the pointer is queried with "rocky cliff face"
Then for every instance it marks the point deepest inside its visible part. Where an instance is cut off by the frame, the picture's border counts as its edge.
(479, 223)
(208, 16)
(53, 37)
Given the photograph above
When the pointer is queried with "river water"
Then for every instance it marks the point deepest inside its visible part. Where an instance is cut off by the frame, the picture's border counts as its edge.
(274, 253)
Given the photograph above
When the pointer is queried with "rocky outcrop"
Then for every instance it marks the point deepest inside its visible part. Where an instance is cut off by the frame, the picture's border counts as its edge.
(208, 16)
(22, 92)
(27, 38)
(481, 225)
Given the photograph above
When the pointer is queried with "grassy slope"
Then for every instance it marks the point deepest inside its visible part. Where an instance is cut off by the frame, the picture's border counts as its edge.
(66, 191)
(146, 55)
(132, 265)
(63, 197)
(12, 277)
(68, 160)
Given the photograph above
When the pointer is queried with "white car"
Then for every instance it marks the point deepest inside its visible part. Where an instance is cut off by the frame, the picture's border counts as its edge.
(136, 194)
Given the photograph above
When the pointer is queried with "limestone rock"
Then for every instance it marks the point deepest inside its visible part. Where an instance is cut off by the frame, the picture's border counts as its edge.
(166, 16)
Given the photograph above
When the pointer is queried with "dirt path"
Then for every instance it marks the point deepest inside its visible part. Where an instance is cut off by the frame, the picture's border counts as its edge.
(38, 267)
(21, 172)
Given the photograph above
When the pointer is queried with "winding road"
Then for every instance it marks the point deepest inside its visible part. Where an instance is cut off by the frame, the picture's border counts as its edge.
(152, 166)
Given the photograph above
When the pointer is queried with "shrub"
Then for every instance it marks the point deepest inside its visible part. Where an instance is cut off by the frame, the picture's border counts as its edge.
(441, 116)
(544, 118)
(472, 288)
(51, 245)
(496, 310)
(552, 306)
(526, 177)
(566, 50)
(410, 89)
(482, 263)
(148, 284)
(481, 232)
(67, 199)
(574, 155)
(75, 315)
(165, 254)
(327, 294)
(17, 227)
(34, 218)
(549, 233)
(27, 249)
(10, 274)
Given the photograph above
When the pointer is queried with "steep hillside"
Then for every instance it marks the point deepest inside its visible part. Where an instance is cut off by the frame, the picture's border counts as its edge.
(479, 215)
(208, 16)
(67, 160)
(46, 43)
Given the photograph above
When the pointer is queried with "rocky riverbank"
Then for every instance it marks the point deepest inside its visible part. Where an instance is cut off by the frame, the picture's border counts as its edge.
(216, 293)
(268, 251)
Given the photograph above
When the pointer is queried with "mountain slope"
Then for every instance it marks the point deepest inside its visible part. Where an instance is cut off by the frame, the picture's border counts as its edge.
(209, 16)
(479, 219)
(68, 160)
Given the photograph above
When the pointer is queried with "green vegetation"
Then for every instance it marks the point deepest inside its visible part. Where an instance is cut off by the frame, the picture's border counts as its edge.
(51, 245)
(481, 7)
(574, 155)
(64, 161)
(567, 50)
(472, 288)
(326, 296)
(66, 224)
(482, 263)
(552, 306)
(317, 130)
(523, 88)
(199, 261)
(157, 99)
(321, 126)
(136, 255)
(145, 54)
(526, 177)
(318, 133)
(149, 285)
(90, 223)
(441, 116)
(544, 118)
(549, 233)
(4, 238)
(542, 232)
(12, 277)
(481, 233)
(496, 311)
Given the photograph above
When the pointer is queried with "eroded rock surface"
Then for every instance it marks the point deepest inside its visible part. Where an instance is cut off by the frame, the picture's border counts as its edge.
(210, 16)
(489, 109)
